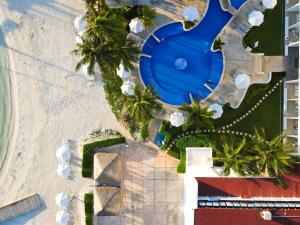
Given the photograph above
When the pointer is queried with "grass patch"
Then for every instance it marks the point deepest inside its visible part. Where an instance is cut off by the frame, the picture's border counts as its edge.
(270, 34)
(89, 150)
(89, 208)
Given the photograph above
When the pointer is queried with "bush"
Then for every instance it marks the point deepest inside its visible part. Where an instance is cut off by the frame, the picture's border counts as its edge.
(145, 131)
(188, 24)
(174, 154)
(88, 153)
(89, 208)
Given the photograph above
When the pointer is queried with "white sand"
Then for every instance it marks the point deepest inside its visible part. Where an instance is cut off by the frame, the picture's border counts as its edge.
(51, 102)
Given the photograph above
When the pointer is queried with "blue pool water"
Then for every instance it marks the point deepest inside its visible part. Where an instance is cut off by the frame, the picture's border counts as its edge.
(203, 66)
(159, 138)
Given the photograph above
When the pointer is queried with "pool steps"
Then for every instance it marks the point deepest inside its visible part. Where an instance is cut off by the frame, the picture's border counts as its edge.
(208, 87)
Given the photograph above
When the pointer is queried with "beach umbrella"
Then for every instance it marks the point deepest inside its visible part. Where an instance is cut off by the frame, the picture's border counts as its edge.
(80, 24)
(136, 25)
(218, 110)
(62, 200)
(63, 153)
(78, 39)
(269, 4)
(256, 18)
(122, 72)
(62, 217)
(242, 81)
(177, 119)
(63, 170)
(190, 13)
(128, 88)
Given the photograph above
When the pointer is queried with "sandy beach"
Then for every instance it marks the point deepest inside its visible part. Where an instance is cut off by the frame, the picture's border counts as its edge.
(51, 103)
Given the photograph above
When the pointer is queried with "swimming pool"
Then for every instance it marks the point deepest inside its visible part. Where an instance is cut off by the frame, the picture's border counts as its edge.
(203, 68)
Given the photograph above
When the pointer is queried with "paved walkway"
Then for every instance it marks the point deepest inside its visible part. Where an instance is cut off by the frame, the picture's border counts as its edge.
(152, 189)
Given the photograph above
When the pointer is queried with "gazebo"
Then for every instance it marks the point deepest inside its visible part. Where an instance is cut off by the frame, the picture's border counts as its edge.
(218, 110)
(177, 119)
(256, 18)
(63, 170)
(122, 72)
(107, 169)
(136, 25)
(242, 81)
(63, 153)
(128, 87)
(62, 200)
(190, 13)
(269, 4)
(62, 217)
(107, 201)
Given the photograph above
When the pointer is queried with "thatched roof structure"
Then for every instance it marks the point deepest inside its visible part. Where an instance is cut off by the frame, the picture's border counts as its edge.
(107, 201)
(107, 169)
(19, 207)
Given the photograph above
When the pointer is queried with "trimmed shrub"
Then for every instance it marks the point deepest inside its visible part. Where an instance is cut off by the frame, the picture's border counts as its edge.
(174, 154)
(89, 208)
(88, 153)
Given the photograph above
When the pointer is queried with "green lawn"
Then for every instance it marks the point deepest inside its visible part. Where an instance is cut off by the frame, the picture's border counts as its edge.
(270, 34)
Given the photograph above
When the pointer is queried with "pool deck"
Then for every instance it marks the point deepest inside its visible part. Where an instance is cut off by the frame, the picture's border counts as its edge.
(240, 60)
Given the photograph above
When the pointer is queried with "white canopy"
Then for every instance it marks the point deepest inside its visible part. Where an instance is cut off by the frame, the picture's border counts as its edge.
(218, 110)
(63, 153)
(78, 39)
(242, 81)
(128, 88)
(256, 18)
(80, 23)
(62, 200)
(190, 13)
(136, 25)
(121, 72)
(63, 170)
(177, 119)
(269, 4)
(62, 217)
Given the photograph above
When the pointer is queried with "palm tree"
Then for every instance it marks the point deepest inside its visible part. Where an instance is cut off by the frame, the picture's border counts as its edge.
(198, 116)
(141, 106)
(274, 157)
(235, 158)
(148, 16)
(218, 44)
(127, 53)
(105, 26)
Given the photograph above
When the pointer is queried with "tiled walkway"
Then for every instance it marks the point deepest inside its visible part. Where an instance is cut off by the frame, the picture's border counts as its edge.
(152, 189)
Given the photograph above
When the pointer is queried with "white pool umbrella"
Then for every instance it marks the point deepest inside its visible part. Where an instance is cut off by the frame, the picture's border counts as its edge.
(128, 88)
(269, 4)
(78, 39)
(256, 18)
(80, 23)
(218, 110)
(242, 81)
(63, 153)
(62, 217)
(63, 170)
(136, 25)
(177, 119)
(62, 200)
(190, 13)
(122, 72)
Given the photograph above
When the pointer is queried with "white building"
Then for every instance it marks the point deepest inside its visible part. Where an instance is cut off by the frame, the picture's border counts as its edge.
(291, 89)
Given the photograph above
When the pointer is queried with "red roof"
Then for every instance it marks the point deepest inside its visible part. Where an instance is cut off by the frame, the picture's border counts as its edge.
(221, 216)
(250, 187)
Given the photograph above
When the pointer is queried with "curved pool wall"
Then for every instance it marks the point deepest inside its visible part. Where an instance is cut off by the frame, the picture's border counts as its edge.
(204, 66)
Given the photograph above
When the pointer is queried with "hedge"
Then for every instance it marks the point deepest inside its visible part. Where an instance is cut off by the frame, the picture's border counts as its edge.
(88, 153)
(89, 208)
